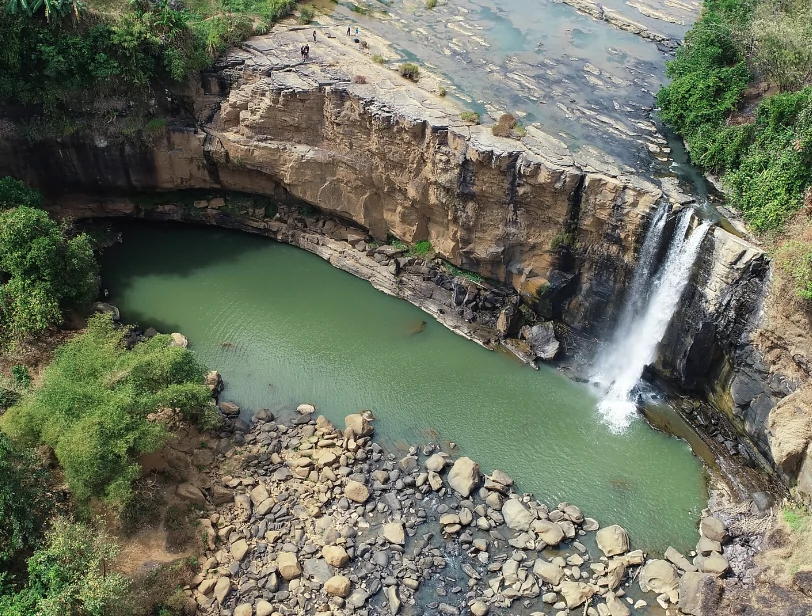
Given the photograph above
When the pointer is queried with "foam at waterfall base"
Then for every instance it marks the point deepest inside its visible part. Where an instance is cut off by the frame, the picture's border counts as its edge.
(617, 413)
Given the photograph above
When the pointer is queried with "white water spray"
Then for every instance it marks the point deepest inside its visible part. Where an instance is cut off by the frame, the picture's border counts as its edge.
(644, 323)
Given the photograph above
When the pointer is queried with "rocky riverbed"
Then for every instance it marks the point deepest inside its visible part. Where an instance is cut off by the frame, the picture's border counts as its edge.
(304, 518)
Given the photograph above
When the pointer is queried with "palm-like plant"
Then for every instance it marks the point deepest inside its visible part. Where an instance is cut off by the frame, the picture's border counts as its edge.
(58, 8)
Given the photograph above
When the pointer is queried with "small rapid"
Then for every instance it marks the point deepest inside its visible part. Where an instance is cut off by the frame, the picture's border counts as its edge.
(654, 294)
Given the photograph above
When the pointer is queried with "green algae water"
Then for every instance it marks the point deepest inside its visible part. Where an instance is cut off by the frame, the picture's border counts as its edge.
(285, 327)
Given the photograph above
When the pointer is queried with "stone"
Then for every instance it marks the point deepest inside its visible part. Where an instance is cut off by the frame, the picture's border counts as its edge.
(549, 572)
(575, 593)
(408, 464)
(317, 569)
(305, 409)
(510, 321)
(502, 478)
(264, 507)
(356, 491)
(463, 476)
(229, 408)
(393, 599)
(338, 586)
(105, 308)
(715, 563)
(358, 425)
(516, 515)
(699, 594)
(435, 463)
(221, 589)
(613, 540)
(659, 576)
(393, 532)
(335, 555)
(707, 546)
(616, 606)
(288, 566)
(178, 340)
(214, 382)
(264, 608)
(678, 560)
(479, 608)
(259, 494)
(190, 493)
(542, 341)
(549, 532)
(713, 529)
(239, 549)
(244, 609)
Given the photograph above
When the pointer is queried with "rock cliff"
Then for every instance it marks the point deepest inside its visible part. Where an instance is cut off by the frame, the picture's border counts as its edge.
(368, 147)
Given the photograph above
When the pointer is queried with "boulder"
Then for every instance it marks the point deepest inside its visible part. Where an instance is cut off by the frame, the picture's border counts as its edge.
(542, 341)
(356, 491)
(575, 593)
(178, 340)
(699, 594)
(393, 532)
(392, 599)
(502, 477)
(264, 507)
(338, 586)
(305, 409)
(244, 609)
(659, 576)
(549, 532)
(549, 572)
(715, 564)
(214, 382)
(516, 515)
(191, 493)
(358, 425)
(713, 529)
(615, 606)
(435, 463)
(510, 320)
(317, 569)
(613, 540)
(464, 476)
(264, 608)
(259, 494)
(479, 608)
(335, 555)
(105, 308)
(229, 408)
(678, 560)
(288, 566)
(221, 589)
(239, 549)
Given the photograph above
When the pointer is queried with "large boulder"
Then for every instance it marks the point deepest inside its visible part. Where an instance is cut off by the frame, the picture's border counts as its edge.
(699, 594)
(221, 589)
(510, 320)
(549, 532)
(613, 540)
(575, 593)
(789, 431)
(393, 532)
(549, 572)
(191, 493)
(229, 408)
(259, 494)
(179, 340)
(358, 425)
(239, 549)
(288, 566)
(464, 476)
(659, 576)
(356, 491)
(516, 515)
(244, 609)
(338, 586)
(214, 382)
(335, 555)
(542, 340)
(713, 529)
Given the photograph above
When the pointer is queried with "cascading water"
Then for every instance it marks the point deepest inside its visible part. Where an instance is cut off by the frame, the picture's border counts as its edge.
(646, 315)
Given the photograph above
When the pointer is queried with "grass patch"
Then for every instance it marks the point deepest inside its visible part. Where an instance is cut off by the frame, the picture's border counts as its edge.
(410, 71)
(441, 91)
(421, 249)
(306, 14)
(562, 239)
(457, 271)
(430, 4)
(378, 59)
(472, 117)
(795, 518)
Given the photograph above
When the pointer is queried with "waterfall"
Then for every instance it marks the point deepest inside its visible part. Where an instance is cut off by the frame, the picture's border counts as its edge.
(652, 301)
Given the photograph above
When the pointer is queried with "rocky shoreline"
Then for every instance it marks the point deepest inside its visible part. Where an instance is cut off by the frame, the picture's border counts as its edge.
(303, 518)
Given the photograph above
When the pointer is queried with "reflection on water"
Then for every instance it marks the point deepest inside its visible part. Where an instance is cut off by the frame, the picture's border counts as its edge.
(284, 327)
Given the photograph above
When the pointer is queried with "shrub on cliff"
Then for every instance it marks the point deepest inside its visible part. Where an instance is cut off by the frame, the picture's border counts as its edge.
(13, 193)
(410, 71)
(306, 14)
(101, 406)
(44, 269)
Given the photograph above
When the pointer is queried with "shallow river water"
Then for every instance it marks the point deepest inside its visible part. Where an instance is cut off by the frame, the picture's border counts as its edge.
(284, 327)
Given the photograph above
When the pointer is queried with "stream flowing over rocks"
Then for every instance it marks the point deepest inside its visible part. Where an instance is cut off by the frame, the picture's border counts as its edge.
(314, 520)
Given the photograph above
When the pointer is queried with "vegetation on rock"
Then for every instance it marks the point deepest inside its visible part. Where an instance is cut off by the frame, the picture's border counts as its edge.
(101, 406)
(470, 116)
(410, 71)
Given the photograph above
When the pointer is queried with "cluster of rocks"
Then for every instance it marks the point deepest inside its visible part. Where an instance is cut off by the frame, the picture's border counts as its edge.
(322, 521)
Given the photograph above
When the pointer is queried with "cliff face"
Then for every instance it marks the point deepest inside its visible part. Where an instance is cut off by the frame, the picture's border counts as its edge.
(562, 229)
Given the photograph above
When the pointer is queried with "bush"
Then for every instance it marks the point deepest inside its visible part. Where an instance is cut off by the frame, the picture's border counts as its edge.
(101, 406)
(421, 249)
(24, 504)
(14, 193)
(441, 91)
(359, 79)
(472, 117)
(430, 4)
(410, 71)
(504, 126)
(378, 59)
(47, 271)
(306, 14)
(782, 37)
(69, 576)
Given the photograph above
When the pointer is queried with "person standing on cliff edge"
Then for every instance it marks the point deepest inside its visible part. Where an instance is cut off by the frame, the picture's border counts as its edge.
(314, 36)
(348, 31)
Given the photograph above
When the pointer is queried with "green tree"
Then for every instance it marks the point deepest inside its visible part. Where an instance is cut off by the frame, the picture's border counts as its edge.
(45, 271)
(101, 406)
(13, 193)
(69, 576)
(782, 37)
(24, 504)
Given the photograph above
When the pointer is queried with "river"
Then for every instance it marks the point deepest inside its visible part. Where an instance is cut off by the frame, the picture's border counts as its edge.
(284, 327)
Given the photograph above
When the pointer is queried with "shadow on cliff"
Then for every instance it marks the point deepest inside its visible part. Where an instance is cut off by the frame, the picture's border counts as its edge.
(167, 250)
